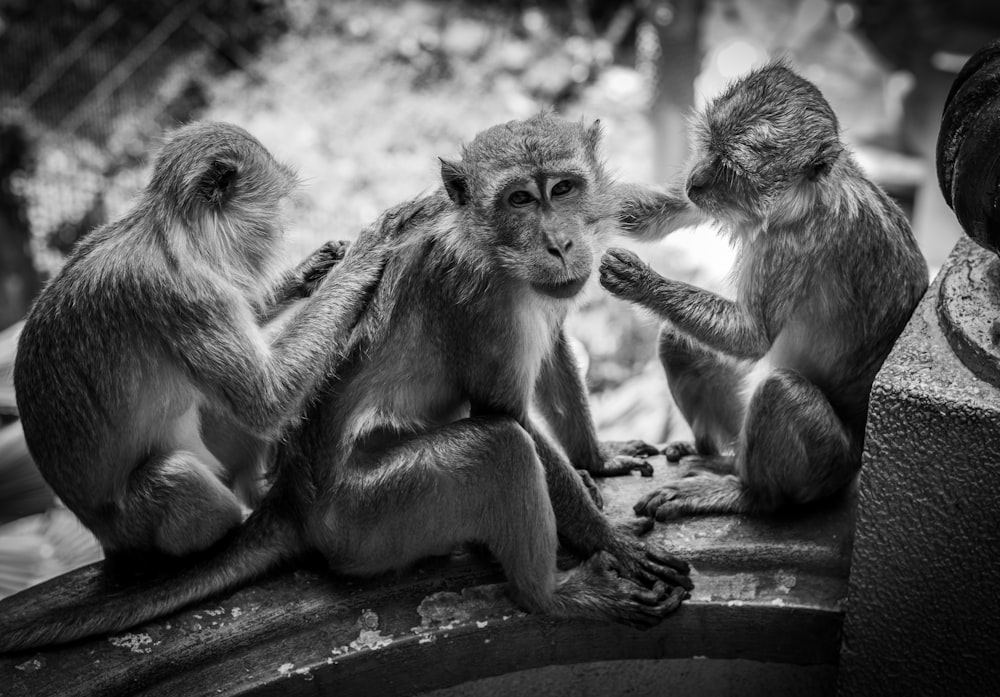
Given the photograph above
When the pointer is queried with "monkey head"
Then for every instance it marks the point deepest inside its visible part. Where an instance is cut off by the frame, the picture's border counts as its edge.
(221, 188)
(534, 195)
(761, 147)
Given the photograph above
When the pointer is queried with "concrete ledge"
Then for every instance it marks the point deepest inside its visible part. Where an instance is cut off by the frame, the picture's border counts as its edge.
(767, 590)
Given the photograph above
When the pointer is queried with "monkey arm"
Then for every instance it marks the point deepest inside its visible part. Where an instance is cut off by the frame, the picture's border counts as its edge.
(715, 321)
(648, 213)
(561, 397)
(579, 522)
(264, 385)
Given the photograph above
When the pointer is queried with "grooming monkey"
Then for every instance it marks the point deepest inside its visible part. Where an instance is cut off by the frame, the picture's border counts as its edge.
(143, 379)
(775, 384)
(423, 440)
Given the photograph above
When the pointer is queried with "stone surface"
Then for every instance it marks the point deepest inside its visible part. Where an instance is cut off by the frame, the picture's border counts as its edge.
(923, 614)
(767, 590)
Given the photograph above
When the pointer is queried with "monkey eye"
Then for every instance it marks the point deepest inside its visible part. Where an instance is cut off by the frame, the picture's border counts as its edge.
(520, 198)
(562, 188)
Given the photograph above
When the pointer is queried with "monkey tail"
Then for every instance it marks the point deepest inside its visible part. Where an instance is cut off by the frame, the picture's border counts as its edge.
(67, 609)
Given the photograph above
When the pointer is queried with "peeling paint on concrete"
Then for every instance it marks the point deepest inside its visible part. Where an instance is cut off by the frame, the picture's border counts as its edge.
(136, 643)
(31, 665)
(786, 581)
(370, 639)
(737, 587)
(447, 610)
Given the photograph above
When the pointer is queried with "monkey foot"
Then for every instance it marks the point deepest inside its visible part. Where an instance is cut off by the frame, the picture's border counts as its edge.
(624, 457)
(595, 588)
(678, 449)
(646, 563)
(698, 493)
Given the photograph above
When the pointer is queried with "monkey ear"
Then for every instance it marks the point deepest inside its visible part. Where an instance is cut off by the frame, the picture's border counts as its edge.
(593, 137)
(821, 163)
(455, 182)
(216, 184)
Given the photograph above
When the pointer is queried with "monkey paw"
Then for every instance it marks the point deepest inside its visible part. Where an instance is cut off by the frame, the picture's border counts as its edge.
(595, 587)
(678, 449)
(317, 265)
(624, 274)
(646, 563)
(624, 457)
(591, 486)
(633, 448)
(697, 493)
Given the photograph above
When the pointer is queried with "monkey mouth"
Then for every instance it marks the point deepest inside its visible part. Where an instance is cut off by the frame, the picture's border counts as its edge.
(563, 290)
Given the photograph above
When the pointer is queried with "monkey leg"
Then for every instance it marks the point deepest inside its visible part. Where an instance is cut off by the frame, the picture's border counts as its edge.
(173, 503)
(478, 479)
(586, 530)
(706, 386)
(793, 449)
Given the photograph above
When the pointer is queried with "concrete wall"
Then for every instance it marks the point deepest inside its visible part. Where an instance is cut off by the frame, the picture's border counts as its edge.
(923, 613)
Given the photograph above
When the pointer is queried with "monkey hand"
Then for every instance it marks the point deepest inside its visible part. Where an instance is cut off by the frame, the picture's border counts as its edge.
(679, 449)
(625, 275)
(697, 492)
(623, 457)
(314, 268)
(646, 563)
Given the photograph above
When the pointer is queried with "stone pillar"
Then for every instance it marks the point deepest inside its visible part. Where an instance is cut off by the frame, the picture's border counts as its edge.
(923, 612)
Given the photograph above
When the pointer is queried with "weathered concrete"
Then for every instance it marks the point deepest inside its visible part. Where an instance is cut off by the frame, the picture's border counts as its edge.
(923, 613)
(767, 606)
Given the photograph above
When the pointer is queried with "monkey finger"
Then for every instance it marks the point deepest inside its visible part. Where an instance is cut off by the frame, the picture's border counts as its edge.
(647, 505)
(591, 486)
(667, 575)
(667, 511)
(678, 449)
(626, 464)
(637, 528)
(668, 559)
(619, 255)
(653, 613)
(634, 448)
(650, 596)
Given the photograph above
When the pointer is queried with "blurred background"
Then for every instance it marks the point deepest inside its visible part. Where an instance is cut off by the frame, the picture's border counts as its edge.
(361, 97)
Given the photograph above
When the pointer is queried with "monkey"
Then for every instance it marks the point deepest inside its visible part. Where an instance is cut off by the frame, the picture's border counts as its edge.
(774, 384)
(429, 435)
(143, 361)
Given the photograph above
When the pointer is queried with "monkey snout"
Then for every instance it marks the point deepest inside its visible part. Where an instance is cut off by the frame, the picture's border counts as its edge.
(558, 245)
(697, 184)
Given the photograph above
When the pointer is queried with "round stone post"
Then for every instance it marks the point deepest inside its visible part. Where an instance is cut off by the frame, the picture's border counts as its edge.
(923, 611)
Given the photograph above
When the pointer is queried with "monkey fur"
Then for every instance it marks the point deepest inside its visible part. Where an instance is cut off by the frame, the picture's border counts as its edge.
(144, 382)
(775, 385)
(423, 439)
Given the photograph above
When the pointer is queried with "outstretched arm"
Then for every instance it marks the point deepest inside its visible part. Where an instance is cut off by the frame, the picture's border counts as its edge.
(651, 213)
(713, 320)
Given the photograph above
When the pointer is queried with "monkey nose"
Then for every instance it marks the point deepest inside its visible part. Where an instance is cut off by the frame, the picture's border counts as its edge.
(559, 247)
(697, 183)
